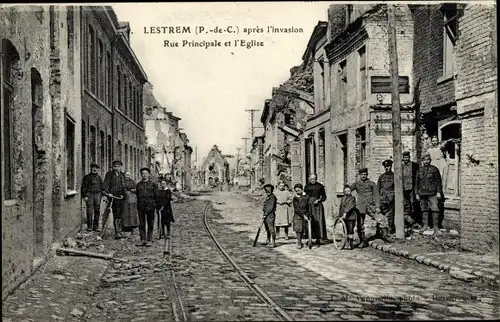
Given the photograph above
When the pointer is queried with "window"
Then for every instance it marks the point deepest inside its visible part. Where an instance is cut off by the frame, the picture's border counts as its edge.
(450, 28)
(71, 36)
(126, 157)
(140, 107)
(130, 100)
(92, 60)
(343, 83)
(360, 148)
(70, 154)
(342, 162)
(119, 89)
(84, 147)
(451, 134)
(9, 62)
(119, 148)
(134, 105)
(93, 142)
(110, 151)
(362, 74)
(109, 73)
(125, 95)
(101, 83)
(322, 152)
(102, 149)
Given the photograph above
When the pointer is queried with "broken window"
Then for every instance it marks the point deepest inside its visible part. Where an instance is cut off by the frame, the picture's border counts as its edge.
(342, 162)
(450, 33)
(362, 74)
(70, 154)
(450, 136)
(119, 80)
(101, 82)
(10, 59)
(343, 84)
(361, 148)
(71, 36)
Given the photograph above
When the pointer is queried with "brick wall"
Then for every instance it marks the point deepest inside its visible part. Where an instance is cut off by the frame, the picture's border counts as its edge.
(477, 105)
(428, 58)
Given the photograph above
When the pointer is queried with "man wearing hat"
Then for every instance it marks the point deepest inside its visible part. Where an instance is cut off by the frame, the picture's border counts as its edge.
(114, 184)
(410, 170)
(385, 187)
(368, 203)
(429, 189)
(146, 205)
(269, 214)
(91, 193)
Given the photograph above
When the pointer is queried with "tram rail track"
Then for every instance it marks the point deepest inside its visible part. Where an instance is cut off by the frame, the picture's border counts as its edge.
(260, 293)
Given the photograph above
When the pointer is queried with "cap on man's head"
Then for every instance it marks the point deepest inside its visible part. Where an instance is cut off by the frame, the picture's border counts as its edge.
(268, 185)
(94, 165)
(117, 162)
(363, 170)
(146, 169)
(426, 155)
(406, 153)
(387, 163)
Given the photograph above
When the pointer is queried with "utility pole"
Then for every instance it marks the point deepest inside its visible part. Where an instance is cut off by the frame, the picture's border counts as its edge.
(396, 125)
(252, 127)
(237, 161)
(245, 174)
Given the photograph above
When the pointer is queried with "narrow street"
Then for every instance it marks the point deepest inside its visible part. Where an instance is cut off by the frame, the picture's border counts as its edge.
(317, 284)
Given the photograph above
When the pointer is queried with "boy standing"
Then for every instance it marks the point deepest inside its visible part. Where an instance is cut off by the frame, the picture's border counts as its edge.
(302, 212)
(269, 215)
(349, 213)
(146, 205)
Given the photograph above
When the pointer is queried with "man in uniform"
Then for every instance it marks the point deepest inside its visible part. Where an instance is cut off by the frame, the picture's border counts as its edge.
(385, 187)
(91, 192)
(146, 205)
(114, 184)
(367, 203)
(316, 191)
(429, 189)
(410, 170)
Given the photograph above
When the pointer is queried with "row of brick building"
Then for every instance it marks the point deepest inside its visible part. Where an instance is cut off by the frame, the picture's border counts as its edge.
(333, 115)
(72, 94)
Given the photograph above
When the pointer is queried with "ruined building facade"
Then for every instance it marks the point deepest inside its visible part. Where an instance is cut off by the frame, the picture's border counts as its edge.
(40, 141)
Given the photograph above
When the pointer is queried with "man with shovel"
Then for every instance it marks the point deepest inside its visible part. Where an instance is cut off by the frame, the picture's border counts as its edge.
(269, 214)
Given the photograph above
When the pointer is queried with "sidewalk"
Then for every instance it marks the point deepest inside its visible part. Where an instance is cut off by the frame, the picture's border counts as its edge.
(442, 254)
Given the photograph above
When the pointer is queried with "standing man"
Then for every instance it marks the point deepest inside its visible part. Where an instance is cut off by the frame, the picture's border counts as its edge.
(147, 192)
(410, 170)
(429, 190)
(114, 184)
(91, 192)
(316, 191)
(368, 203)
(385, 187)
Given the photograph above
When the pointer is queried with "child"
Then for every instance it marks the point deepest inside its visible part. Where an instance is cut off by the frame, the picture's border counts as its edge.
(164, 207)
(348, 212)
(269, 214)
(301, 208)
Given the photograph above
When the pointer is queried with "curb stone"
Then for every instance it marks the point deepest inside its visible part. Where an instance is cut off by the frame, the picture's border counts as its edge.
(454, 271)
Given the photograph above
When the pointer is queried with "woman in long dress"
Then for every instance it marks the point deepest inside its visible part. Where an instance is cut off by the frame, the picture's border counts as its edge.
(130, 216)
(438, 158)
(283, 210)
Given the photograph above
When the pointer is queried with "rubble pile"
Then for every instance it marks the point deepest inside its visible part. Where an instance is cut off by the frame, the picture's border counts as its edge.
(126, 270)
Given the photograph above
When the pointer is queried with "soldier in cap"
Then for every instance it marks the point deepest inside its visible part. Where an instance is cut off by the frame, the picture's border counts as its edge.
(410, 170)
(368, 203)
(91, 193)
(114, 184)
(147, 195)
(428, 191)
(385, 187)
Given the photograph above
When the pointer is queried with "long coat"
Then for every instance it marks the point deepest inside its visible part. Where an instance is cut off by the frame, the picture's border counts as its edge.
(315, 192)
(301, 208)
(283, 211)
(164, 200)
(130, 216)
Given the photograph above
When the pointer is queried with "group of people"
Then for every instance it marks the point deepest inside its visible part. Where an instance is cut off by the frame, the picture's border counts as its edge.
(134, 204)
(423, 204)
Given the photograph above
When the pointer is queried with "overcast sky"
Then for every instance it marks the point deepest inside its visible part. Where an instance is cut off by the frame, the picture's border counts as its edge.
(210, 89)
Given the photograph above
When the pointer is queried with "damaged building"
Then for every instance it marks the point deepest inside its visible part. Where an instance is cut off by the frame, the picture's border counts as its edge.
(40, 140)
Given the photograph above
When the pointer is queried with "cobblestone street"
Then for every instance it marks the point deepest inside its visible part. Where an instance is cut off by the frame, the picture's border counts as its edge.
(317, 284)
